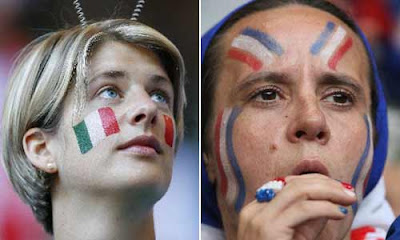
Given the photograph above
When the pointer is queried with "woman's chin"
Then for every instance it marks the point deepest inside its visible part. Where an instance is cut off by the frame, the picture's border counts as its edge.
(152, 178)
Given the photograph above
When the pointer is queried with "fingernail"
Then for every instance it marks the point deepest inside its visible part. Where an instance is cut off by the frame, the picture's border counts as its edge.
(347, 186)
(349, 192)
(343, 210)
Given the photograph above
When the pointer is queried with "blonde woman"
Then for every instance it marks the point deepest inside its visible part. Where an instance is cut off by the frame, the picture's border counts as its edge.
(91, 123)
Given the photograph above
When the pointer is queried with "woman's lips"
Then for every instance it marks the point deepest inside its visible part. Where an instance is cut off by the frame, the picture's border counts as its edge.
(142, 145)
(310, 166)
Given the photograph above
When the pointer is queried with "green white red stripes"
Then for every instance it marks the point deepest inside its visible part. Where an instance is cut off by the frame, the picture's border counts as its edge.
(95, 127)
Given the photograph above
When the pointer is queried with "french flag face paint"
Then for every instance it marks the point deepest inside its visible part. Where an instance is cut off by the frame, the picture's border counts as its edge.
(95, 127)
(254, 48)
(332, 45)
(365, 161)
(169, 132)
(231, 181)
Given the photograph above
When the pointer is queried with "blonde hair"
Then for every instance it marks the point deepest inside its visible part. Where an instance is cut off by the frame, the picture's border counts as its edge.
(46, 71)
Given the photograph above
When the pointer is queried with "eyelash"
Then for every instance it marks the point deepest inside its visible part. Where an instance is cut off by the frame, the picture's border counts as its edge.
(350, 101)
(163, 94)
(258, 93)
(120, 95)
(105, 88)
(351, 97)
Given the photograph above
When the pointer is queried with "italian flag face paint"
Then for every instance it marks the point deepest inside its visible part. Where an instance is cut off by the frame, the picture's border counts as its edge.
(95, 127)
(169, 134)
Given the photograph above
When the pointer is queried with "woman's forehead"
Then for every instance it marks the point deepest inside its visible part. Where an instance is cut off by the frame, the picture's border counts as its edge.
(294, 34)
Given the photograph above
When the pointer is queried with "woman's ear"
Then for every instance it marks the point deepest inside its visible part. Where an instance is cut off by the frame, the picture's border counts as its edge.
(210, 167)
(37, 149)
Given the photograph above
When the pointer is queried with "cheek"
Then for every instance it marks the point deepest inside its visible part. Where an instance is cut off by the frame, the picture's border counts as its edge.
(363, 167)
(351, 153)
(96, 127)
(169, 131)
(259, 146)
(241, 154)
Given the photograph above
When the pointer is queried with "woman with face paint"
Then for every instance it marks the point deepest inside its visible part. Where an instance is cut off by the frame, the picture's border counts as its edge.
(294, 139)
(91, 124)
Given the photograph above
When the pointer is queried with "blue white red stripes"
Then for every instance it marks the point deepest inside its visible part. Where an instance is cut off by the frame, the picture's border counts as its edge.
(255, 48)
(232, 158)
(228, 183)
(361, 163)
(266, 40)
(332, 45)
(323, 38)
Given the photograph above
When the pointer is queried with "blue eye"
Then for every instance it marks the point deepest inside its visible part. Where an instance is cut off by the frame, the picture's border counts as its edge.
(109, 93)
(159, 97)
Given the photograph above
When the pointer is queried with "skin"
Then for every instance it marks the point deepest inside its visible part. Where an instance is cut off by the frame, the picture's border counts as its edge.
(108, 193)
(329, 115)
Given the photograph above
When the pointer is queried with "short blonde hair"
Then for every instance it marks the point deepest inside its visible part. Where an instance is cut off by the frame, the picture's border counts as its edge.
(45, 72)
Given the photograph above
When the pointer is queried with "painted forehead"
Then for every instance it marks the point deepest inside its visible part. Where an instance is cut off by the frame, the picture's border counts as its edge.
(267, 38)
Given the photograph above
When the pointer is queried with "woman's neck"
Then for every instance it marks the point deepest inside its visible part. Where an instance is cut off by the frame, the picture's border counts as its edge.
(99, 217)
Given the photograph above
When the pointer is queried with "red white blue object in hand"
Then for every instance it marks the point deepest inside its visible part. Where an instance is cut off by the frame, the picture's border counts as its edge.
(268, 191)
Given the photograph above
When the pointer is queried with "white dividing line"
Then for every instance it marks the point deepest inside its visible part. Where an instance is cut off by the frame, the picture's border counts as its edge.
(254, 47)
(333, 44)
(231, 182)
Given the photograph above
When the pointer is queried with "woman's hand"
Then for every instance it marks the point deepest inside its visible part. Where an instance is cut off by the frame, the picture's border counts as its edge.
(299, 211)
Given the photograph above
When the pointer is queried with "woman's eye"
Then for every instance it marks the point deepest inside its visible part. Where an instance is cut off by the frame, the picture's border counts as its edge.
(267, 95)
(340, 98)
(109, 93)
(159, 97)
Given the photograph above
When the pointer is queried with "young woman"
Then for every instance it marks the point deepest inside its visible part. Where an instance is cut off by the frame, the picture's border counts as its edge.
(291, 94)
(91, 123)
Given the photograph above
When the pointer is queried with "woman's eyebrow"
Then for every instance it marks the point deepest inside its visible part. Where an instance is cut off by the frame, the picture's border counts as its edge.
(114, 74)
(159, 79)
(263, 77)
(341, 80)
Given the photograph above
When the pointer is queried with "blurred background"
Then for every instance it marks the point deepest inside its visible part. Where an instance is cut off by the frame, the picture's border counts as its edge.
(380, 21)
(176, 215)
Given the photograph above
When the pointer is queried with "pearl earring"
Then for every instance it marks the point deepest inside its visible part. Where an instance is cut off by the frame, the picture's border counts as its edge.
(51, 167)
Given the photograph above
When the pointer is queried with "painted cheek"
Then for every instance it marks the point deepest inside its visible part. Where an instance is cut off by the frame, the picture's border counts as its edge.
(363, 164)
(96, 126)
(231, 182)
(169, 133)
(254, 48)
(332, 45)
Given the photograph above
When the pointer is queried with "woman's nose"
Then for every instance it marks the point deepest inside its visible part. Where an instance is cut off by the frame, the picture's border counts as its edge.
(308, 124)
(143, 113)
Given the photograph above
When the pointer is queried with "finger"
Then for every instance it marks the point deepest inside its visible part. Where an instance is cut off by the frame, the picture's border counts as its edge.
(312, 189)
(310, 210)
(246, 215)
